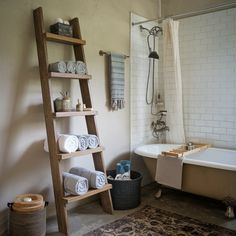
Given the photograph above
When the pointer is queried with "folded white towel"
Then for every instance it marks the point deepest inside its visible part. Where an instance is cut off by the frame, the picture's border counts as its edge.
(83, 142)
(74, 184)
(93, 141)
(68, 143)
(80, 68)
(96, 179)
(70, 65)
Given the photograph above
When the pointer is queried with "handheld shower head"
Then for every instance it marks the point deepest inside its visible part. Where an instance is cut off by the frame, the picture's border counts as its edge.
(153, 55)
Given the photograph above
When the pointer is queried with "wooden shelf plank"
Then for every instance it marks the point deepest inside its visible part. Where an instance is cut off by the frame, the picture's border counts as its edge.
(74, 113)
(68, 76)
(63, 156)
(91, 192)
(63, 39)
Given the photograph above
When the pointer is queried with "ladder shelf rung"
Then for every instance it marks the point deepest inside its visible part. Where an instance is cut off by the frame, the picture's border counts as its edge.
(91, 192)
(68, 76)
(63, 39)
(63, 156)
(74, 113)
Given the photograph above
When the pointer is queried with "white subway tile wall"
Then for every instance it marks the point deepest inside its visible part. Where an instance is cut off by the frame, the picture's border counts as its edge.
(140, 113)
(208, 60)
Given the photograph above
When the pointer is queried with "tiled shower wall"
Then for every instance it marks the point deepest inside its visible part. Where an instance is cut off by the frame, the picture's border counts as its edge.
(208, 60)
(141, 117)
(208, 63)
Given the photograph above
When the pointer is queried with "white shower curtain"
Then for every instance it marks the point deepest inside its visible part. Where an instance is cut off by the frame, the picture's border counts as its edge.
(173, 82)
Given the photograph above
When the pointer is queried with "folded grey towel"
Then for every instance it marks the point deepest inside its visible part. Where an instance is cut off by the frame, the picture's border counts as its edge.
(59, 66)
(74, 184)
(80, 68)
(83, 142)
(70, 67)
(96, 179)
(93, 140)
(117, 82)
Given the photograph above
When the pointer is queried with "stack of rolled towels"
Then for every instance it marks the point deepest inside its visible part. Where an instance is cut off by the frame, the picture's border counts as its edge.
(79, 180)
(72, 143)
(78, 67)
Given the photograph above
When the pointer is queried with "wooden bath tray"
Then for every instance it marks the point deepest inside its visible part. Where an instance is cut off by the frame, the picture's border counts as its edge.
(182, 151)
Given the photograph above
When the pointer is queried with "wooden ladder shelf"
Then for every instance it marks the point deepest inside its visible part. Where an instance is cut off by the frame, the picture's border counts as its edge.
(50, 116)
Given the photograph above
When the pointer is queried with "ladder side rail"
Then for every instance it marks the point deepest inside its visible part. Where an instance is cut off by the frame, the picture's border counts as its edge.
(99, 164)
(49, 121)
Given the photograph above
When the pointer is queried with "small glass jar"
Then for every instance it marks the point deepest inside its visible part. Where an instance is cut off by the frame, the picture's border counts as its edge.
(58, 105)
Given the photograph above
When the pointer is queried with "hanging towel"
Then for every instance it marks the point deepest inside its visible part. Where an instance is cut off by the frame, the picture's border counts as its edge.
(117, 82)
(169, 171)
(68, 143)
(83, 142)
(96, 179)
(93, 141)
(74, 184)
(80, 68)
(70, 67)
(59, 66)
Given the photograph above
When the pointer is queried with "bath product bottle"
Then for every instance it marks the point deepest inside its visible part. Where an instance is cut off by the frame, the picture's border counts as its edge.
(79, 106)
(66, 103)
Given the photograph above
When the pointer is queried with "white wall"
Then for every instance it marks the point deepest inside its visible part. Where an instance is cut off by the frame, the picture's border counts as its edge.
(105, 25)
(208, 59)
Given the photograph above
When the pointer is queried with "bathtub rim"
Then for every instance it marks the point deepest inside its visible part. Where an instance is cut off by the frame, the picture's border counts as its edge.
(188, 160)
(138, 150)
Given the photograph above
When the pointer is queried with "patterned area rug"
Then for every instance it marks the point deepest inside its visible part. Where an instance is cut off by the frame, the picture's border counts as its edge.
(150, 221)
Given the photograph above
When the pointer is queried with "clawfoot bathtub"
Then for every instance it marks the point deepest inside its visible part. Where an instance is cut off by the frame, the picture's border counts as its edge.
(210, 172)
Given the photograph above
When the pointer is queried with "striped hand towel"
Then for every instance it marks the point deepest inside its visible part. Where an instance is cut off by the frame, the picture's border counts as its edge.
(117, 82)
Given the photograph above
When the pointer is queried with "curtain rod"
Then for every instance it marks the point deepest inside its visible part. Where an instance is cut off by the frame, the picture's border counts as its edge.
(190, 14)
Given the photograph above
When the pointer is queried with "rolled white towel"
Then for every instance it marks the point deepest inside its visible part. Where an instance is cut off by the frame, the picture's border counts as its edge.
(80, 68)
(68, 143)
(74, 184)
(59, 66)
(96, 179)
(83, 142)
(70, 66)
(93, 141)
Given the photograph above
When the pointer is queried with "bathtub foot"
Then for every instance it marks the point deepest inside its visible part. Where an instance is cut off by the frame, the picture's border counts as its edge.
(230, 204)
(158, 193)
(230, 212)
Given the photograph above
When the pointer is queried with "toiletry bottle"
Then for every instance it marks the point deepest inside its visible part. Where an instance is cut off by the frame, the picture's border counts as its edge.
(66, 103)
(79, 106)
